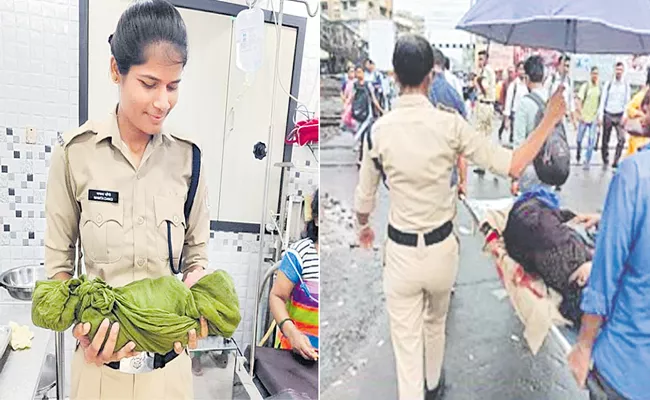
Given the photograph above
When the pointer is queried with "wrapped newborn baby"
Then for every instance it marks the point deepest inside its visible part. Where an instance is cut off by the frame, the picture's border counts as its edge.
(153, 313)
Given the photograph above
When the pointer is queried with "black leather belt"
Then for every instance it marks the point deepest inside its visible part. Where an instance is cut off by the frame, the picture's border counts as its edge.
(159, 360)
(485, 102)
(411, 239)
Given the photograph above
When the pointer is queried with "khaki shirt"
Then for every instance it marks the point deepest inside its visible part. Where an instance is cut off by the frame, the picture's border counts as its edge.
(124, 240)
(418, 145)
(489, 84)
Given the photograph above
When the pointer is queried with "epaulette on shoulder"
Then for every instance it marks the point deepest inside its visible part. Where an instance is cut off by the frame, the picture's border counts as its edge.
(187, 139)
(67, 137)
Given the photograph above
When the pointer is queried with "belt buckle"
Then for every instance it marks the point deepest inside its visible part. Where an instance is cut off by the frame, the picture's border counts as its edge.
(139, 364)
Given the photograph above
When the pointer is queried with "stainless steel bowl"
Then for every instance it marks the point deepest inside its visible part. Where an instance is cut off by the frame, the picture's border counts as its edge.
(20, 281)
(48, 377)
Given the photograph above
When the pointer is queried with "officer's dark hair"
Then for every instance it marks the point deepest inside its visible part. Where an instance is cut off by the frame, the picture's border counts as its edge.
(563, 58)
(447, 63)
(412, 59)
(534, 68)
(144, 23)
(484, 53)
(620, 64)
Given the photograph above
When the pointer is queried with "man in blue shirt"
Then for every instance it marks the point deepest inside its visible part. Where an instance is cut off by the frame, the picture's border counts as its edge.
(443, 94)
(615, 330)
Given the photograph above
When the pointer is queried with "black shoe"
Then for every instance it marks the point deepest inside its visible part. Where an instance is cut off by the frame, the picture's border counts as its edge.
(438, 392)
(479, 171)
(615, 165)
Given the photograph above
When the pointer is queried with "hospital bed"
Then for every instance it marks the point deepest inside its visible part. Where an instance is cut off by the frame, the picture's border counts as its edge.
(535, 304)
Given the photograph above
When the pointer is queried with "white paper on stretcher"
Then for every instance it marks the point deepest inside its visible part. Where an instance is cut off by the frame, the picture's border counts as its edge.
(538, 314)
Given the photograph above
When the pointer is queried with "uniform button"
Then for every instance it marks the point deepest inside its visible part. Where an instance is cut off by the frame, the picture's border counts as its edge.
(175, 219)
(140, 261)
(99, 218)
(140, 220)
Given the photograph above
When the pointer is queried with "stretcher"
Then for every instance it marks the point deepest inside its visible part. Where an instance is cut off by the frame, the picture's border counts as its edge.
(535, 304)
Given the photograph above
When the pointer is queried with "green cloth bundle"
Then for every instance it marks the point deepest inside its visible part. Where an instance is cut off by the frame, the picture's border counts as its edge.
(153, 313)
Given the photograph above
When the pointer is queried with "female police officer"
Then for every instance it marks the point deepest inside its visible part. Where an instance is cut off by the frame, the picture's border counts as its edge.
(119, 186)
(415, 147)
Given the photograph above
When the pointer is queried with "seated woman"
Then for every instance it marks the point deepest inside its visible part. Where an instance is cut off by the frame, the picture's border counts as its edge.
(539, 236)
(294, 295)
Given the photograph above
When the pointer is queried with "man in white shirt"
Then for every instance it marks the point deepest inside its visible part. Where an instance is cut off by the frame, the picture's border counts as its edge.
(452, 79)
(559, 78)
(515, 92)
(615, 97)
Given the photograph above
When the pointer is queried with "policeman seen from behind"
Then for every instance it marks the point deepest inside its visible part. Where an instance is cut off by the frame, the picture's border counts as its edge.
(416, 146)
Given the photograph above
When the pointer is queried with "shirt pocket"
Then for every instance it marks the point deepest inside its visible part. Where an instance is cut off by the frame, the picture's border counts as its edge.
(170, 223)
(102, 231)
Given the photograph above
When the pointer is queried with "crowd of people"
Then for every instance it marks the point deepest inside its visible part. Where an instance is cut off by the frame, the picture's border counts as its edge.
(601, 274)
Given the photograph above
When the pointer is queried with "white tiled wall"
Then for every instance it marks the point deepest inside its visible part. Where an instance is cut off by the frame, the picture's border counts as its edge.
(39, 69)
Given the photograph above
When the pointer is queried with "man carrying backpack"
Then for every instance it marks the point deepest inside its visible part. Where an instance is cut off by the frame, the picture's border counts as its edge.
(561, 77)
(612, 106)
(363, 102)
(551, 166)
(589, 96)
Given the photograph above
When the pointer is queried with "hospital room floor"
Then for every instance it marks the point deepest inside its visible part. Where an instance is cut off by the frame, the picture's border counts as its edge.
(486, 357)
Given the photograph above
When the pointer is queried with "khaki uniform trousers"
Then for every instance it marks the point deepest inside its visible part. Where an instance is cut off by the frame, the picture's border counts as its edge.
(90, 382)
(417, 283)
(484, 118)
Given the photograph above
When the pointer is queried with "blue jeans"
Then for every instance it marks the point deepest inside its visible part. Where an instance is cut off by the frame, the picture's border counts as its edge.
(585, 127)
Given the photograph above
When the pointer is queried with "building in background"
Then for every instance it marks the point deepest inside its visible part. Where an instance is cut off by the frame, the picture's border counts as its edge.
(355, 13)
(407, 22)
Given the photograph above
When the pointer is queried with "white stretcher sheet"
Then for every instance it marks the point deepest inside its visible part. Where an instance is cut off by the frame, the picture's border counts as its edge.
(536, 305)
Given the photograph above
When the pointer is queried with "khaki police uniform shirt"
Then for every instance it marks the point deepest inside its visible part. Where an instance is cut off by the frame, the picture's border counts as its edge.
(418, 145)
(489, 84)
(120, 212)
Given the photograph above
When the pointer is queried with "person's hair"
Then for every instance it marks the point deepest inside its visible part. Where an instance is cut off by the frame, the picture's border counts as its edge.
(647, 77)
(412, 59)
(563, 58)
(594, 69)
(144, 23)
(358, 67)
(438, 57)
(534, 68)
(519, 64)
(368, 61)
(484, 53)
(311, 228)
(447, 63)
(620, 64)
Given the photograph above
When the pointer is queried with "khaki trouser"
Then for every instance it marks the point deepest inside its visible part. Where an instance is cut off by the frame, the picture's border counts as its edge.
(89, 382)
(484, 118)
(417, 283)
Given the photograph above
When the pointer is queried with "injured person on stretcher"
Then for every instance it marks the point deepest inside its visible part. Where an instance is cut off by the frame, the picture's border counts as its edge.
(553, 244)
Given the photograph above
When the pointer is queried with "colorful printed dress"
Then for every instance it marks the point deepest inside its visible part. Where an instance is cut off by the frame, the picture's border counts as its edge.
(301, 265)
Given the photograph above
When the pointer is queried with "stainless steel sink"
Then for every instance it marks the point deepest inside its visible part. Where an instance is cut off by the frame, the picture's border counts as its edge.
(20, 281)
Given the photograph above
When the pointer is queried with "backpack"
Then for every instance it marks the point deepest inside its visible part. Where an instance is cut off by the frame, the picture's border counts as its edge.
(187, 208)
(361, 104)
(553, 162)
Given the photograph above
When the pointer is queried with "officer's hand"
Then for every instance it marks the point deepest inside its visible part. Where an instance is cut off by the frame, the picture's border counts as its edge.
(366, 237)
(556, 106)
(192, 277)
(579, 360)
(462, 189)
(192, 342)
(93, 352)
(301, 345)
(514, 188)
